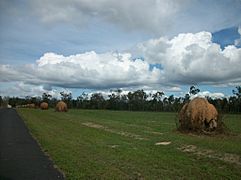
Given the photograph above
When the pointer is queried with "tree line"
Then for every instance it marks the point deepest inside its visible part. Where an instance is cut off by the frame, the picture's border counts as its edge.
(138, 100)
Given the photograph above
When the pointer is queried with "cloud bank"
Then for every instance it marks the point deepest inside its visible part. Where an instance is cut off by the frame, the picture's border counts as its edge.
(132, 15)
(87, 70)
(183, 60)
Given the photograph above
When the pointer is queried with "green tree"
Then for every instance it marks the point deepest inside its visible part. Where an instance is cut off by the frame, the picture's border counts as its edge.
(156, 100)
(137, 100)
(1, 101)
(83, 101)
(114, 101)
(97, 101)
(237, 92)
(237, 101)
(46, 97)
(193, 90)
(66, 97)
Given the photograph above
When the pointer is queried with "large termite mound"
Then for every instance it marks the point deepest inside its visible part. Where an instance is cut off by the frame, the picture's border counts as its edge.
(198, 114)
(61, 107)
(44, 106)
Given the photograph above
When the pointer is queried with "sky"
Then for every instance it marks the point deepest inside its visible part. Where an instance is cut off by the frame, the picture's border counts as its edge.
(98, 45)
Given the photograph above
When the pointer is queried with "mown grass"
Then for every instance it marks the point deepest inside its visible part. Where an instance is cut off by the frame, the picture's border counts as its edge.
(111, 150)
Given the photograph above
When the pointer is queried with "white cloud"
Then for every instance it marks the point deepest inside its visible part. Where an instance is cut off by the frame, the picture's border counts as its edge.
(205, 94)
(22, 90)
(237, 42)
(239, 30)
(131, 14)
(193, 59)
(155, 16)
(186, 59)
(87, 70)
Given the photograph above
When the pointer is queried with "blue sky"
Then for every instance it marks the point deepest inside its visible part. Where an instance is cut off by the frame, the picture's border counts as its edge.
(50, 46)
(226, 36)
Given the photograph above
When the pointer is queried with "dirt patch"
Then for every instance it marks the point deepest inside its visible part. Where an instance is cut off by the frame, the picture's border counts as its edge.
(113, 146)
(188, 148)
(90, 124)
(156, 133)
(121, 133)
(163, 143)
(226, 157)
(232, 158)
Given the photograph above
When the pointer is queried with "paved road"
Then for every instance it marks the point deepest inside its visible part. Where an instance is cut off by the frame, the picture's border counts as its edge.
(20, 155)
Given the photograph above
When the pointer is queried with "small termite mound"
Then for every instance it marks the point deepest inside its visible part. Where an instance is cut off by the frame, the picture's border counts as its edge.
(61, 107)
(44, 106)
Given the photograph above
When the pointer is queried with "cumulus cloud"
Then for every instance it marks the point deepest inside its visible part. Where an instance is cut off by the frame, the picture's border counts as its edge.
(186, 59)
(156, 16)
(87, 70)
(192, 59)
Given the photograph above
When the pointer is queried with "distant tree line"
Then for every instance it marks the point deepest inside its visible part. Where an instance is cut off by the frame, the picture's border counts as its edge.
(133, 101)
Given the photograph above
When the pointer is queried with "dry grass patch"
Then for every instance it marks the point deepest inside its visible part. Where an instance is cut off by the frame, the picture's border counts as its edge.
(107, 129)
(226, 157)
(163, 143)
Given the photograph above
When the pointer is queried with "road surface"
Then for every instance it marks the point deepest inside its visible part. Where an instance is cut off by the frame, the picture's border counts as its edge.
(20, 155)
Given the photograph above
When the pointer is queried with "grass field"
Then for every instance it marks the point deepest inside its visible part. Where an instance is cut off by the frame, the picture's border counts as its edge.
(89, 144)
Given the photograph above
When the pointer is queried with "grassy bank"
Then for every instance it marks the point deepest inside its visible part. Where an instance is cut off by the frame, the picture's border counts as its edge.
(121, 145)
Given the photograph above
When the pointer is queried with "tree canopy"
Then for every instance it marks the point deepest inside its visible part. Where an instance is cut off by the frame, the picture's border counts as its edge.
(138, 100)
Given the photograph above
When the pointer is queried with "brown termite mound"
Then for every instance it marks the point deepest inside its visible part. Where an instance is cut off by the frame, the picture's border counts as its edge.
(61, 107)
(32, 105)
(44, 106)
(198, 115)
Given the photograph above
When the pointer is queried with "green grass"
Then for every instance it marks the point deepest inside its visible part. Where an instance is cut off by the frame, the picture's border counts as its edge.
(116, 150)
